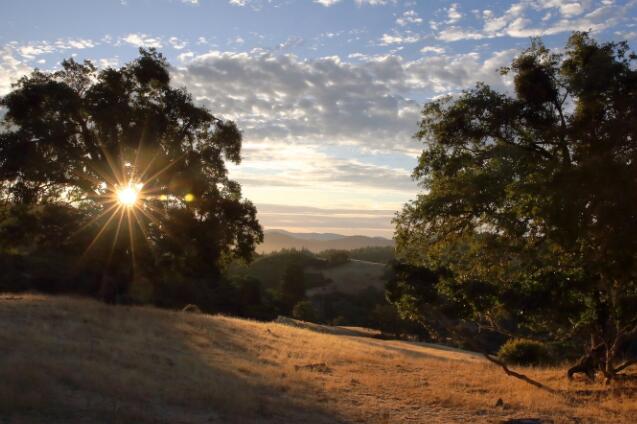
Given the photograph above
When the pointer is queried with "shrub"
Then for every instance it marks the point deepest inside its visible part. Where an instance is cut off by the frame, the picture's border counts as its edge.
(304, 311)
(524, 352)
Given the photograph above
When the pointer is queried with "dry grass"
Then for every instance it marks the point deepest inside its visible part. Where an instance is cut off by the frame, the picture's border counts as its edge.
(72, 360)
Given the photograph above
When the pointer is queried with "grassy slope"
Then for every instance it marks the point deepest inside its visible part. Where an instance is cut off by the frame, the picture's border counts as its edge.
(71, 360)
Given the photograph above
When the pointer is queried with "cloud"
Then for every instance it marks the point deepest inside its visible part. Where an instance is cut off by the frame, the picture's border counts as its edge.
(453, 14)
(558, 17)
(432, 49)
(408, 37)
(11, 69)
(141, 40)
(375, 222)
(282, 96)
(283, 100)
(375, 2)
(33, 49)
(176, 43)
(328, 3)
(409, 17)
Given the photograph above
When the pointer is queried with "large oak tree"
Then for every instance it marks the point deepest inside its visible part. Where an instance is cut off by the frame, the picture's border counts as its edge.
(72, 140)
(527, 223)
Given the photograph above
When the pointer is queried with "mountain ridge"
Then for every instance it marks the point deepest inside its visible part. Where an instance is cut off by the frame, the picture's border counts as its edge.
(277, 239)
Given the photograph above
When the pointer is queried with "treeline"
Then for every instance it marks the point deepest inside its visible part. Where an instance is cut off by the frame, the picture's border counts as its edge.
(287, 275)
(271, 285)
(379, 254)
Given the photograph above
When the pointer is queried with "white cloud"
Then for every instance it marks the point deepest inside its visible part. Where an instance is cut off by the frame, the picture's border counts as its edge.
(409, 17)
(341, 221)
(238, 40)
(559, 16)
(176, 43)
(407, 37)
(33, 49)
(141, 40)
(108, 62)
(328, 100)
(432, 49)
(11, 69)
(375, 2)
(453, 14)
(326, 3)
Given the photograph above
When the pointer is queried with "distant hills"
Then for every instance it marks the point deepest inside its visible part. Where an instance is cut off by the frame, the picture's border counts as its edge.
(316, 242)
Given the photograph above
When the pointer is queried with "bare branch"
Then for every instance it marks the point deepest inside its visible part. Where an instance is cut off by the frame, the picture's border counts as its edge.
(522, 377)
(625, 365)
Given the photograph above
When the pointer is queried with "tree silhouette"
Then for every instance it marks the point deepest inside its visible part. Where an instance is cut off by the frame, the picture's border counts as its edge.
(140, 166)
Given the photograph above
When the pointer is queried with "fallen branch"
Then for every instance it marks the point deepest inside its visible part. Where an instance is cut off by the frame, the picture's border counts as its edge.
(625, 365)
(522, 377)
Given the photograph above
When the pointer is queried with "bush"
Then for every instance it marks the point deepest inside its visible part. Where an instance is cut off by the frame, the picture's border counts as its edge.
(337, 257)
(524, 352)
(304, 311)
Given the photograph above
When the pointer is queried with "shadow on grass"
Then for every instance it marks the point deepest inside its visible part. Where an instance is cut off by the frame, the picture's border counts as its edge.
(75, 360)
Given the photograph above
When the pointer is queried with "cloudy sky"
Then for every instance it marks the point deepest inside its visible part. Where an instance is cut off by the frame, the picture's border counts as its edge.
(326, 92)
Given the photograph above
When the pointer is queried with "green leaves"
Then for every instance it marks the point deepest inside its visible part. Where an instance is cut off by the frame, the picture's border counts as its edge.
(75, 135)
(530, 199)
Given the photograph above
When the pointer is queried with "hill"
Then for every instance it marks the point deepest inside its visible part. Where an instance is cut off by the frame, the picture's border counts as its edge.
(316, 242)
(67, 360)
(352, 277)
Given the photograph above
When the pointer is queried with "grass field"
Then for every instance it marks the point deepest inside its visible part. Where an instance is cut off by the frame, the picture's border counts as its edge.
(66, 360)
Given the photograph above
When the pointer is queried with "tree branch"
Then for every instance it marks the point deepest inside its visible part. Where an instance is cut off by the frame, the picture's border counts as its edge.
(519, 376)
(625, 365)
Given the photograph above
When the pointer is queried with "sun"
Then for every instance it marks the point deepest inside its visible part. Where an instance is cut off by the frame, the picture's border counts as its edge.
(128, 195)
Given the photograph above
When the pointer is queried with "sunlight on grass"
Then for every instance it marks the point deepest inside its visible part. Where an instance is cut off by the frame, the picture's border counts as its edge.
(105, 360)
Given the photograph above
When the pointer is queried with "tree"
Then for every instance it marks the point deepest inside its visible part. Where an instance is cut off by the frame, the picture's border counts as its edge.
(139, 166)
(292, 286)
(528, 220)
(336, 257)
(304, 311)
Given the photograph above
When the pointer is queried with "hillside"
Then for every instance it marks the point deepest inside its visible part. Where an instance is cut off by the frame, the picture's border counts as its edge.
(316, 242)
(352, 277)
(69, 360)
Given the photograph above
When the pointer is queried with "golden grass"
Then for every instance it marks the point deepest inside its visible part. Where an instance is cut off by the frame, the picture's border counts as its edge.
(74, 360)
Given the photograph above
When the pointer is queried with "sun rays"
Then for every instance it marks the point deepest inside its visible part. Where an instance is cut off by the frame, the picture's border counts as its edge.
(132, 201)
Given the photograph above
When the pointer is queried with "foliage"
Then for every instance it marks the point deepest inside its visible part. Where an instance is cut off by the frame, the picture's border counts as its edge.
(524, 352)
(292, 286)
(73, 137)
(529, 209)
(270, 268)
(335, 257)
(379, 254)
(387, 319)
(304, 311)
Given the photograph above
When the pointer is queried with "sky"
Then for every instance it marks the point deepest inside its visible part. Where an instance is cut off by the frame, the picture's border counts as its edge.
(327, 93)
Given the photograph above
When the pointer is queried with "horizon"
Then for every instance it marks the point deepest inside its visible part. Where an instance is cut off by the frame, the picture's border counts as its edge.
(293, 233)
(328, 106)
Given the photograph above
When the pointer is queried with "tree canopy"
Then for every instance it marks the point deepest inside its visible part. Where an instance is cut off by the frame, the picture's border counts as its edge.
(527, 223)
(136, 167)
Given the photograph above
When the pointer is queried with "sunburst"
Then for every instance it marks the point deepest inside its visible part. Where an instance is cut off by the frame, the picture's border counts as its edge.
(128, 195)
(127, 199)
